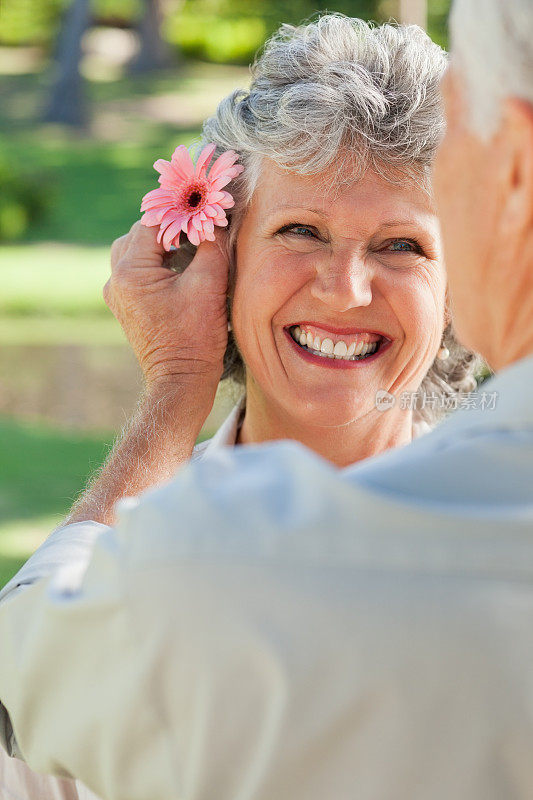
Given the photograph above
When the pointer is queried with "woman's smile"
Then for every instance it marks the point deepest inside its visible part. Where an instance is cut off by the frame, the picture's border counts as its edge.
(337, 348)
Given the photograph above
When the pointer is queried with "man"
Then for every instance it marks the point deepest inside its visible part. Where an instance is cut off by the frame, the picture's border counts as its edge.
(203, 656)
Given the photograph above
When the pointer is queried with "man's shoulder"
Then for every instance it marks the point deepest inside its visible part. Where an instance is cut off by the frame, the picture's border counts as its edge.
(421, 507)
(252, 490)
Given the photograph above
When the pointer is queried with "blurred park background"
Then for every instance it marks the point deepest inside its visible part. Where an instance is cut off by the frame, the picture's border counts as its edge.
(92, 92)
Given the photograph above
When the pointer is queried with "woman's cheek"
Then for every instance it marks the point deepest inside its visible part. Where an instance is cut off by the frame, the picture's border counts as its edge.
(422, 302)
(274, 280)
(256, 298)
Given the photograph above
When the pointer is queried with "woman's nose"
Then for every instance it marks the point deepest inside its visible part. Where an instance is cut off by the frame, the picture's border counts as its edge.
(344, 285)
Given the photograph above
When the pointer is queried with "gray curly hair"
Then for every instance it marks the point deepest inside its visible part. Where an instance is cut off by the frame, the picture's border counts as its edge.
(333, 89)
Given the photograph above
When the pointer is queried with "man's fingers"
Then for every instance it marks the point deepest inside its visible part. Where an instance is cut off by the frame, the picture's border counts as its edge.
(211, 260)
(117, 249)
(143, 248)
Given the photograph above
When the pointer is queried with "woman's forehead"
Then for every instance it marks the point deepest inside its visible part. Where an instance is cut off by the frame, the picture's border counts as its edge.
(368, 196)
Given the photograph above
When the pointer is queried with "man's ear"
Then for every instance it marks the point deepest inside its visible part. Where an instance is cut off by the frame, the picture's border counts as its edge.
(516, 141)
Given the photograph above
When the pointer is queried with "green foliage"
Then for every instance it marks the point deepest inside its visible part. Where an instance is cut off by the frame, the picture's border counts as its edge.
(217, 39)
(29, 21)
(88, 177)
(23, 200)
(231, 31)
(216, 30)
(438, 11)
(38, 21)
(223, 31)
(117, 12)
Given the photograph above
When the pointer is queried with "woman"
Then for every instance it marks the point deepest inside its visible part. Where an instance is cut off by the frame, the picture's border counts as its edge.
(337, 281)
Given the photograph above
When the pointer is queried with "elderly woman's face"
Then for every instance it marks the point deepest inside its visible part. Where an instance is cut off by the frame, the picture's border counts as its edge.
(357, 277)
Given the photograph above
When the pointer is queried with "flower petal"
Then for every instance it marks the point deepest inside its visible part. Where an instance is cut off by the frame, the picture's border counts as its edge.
(167, 219)
(203, 160)
(171, 232)
(221, 221)
(153, 194)
(227, 201)
(154, 216)
(214, 197)
(209, 226)
(168, 171)
(197, 222)
(221, 214)
(192, 233)
(226, 177)
(182, 162)
(220, 182)
(222, 163)
(209, 211)
(155, 202)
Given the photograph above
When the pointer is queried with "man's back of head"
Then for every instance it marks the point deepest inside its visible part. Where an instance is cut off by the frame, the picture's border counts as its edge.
(484, 177)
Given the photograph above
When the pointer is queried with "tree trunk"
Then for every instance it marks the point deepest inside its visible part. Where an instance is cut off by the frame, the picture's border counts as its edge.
(154, 52)
(67, 102)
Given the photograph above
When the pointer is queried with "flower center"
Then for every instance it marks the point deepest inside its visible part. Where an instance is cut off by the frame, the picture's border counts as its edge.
(194, 199)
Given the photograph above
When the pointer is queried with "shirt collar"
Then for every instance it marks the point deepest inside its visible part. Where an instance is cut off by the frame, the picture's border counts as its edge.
(226, 435)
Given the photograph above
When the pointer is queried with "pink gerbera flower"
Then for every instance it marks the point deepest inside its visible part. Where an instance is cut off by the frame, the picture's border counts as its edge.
(188, 199)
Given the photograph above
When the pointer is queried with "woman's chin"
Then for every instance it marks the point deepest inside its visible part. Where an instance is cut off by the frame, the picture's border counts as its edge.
(329, 411)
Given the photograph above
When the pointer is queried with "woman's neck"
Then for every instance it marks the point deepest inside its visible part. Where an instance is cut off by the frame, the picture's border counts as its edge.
(367, 436)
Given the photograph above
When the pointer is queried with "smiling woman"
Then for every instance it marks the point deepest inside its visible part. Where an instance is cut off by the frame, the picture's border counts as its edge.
(337, 279)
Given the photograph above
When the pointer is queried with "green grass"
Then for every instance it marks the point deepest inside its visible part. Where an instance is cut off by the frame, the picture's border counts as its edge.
(52, 294)
(42, 470)
(53, 279)
(37, 330)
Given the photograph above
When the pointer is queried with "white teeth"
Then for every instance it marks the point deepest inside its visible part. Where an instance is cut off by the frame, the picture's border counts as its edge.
(340, 349)
(327, 347)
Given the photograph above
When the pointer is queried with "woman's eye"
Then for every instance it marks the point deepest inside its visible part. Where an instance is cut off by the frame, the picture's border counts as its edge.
(299, 230)
(404, 246)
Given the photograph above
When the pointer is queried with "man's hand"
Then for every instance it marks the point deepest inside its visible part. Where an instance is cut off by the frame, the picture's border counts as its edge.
(176, 324)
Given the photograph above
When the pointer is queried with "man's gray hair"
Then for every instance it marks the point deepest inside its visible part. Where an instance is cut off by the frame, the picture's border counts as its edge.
(492, 46)
(340, 91)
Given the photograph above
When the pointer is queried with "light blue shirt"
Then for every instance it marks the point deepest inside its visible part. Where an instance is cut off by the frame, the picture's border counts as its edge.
(267, 626)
